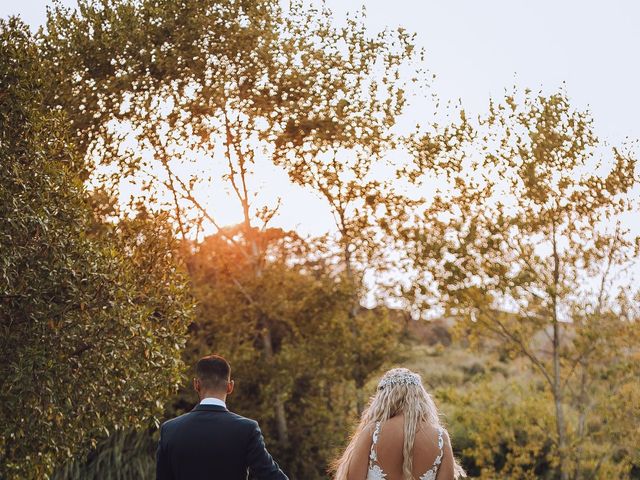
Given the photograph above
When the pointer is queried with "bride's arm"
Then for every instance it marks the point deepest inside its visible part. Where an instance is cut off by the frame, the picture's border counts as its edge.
(360, 460)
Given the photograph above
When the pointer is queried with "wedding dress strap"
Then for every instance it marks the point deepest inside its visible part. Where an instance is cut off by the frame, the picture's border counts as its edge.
(373, 455)
(432, 473)
(440, 445)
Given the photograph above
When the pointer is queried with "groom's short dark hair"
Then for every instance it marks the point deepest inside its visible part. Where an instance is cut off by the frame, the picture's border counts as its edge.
(214, 372)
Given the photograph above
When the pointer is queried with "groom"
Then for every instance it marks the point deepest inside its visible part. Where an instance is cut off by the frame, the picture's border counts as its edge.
(210, 442)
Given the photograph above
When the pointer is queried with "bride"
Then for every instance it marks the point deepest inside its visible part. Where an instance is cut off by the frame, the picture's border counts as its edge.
(399, 436)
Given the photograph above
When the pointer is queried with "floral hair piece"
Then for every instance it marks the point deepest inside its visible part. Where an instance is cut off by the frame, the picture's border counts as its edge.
(400, 378)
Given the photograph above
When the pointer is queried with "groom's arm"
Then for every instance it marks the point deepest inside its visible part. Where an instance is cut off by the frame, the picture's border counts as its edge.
(261, 464)
(163, 469)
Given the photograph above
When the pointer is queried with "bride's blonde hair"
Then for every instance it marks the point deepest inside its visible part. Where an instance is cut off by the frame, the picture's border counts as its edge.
(399, 391)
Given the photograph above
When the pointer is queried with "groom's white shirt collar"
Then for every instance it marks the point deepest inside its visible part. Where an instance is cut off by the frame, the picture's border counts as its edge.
(213, 401)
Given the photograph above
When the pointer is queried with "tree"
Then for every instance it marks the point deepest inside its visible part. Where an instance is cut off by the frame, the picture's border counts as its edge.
(339, 142)
(284, 86)
(527, 247)
(511, 441)
(303, 303)
(92, 319)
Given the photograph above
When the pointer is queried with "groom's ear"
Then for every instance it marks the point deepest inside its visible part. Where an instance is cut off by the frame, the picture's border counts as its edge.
(230, 386)
(196, 385)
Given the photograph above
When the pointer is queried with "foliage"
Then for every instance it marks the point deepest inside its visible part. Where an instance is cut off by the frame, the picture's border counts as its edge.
(301, 306)
(153, 84)
(92, 324)
(526, 247)
(123, 455)
(340, 140)
(156, 85)
(503, 425)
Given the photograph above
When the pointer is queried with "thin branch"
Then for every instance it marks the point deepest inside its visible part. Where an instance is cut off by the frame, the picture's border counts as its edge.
(170, 185)
(506, 333)
(229, 141)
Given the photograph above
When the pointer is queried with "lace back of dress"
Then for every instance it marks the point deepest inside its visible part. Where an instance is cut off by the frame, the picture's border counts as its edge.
(375, 471)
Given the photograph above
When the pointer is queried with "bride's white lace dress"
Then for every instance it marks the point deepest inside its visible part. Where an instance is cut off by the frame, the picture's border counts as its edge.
(375, 471)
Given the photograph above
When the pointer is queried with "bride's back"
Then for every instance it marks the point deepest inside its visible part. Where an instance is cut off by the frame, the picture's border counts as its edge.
(426, 449)
(376, 449)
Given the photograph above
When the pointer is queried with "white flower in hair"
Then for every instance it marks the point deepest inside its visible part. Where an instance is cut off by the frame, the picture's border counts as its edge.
(399, 377)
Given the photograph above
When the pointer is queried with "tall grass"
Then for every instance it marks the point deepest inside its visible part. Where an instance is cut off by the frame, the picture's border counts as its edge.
(124, 455)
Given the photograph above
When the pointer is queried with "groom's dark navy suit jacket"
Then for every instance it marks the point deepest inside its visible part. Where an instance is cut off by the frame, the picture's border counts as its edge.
(211, 443)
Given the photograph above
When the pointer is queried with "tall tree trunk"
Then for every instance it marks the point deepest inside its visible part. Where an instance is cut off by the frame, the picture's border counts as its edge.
(558, 398)
(238, 179)
(359, 395)
(557, 380)
(358, 368)
(267, 345)
(582, 422)
(281, 416)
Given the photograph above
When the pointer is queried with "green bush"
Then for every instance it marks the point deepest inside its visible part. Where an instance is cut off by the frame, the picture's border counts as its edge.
(92, 320)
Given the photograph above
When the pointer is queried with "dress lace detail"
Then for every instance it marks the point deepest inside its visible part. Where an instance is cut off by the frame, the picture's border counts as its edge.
(433, 472)
(375, 472)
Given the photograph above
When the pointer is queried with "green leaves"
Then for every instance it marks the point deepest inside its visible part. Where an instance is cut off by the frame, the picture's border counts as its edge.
(302, 307)
(92, 317)
(530, 254)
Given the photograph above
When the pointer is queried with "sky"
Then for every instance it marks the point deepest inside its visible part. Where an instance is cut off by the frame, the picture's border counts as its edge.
(476, 49)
